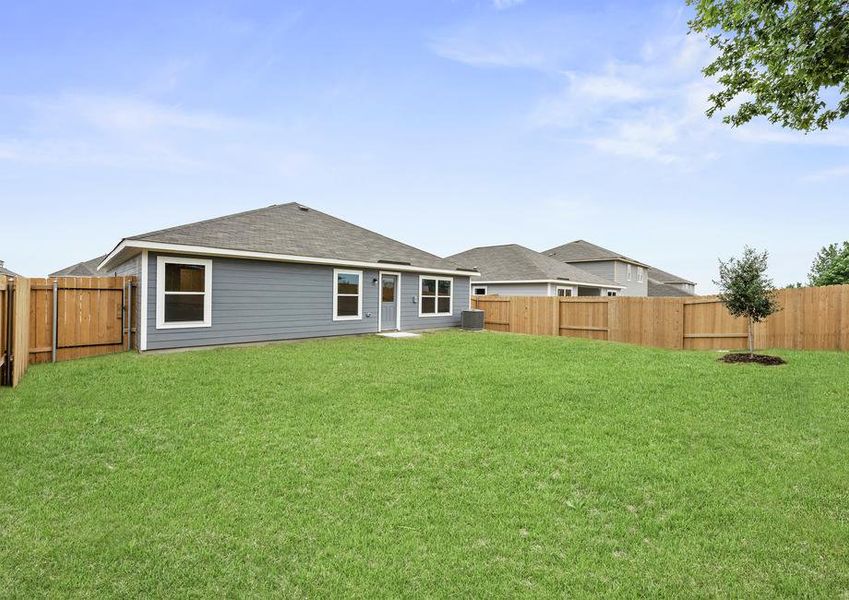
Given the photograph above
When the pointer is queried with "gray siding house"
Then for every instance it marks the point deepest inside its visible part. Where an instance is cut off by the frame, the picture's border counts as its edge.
(637, 278)
(283, 272)
(662, 283)
(627, 272)
(513, 270)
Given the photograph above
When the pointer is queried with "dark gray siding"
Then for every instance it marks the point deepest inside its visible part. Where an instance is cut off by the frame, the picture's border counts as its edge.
(131, 267)
(255, 301)
(409, 295)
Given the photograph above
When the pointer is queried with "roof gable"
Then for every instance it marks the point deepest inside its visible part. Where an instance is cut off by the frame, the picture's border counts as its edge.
(295, 230)
(87, 268)
(584, 251)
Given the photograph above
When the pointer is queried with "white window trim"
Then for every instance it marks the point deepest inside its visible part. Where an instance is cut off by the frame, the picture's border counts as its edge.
(640, 274)
(359, 315)
(161, 261)
(474, 287)
(628, 271)
(572, 292)
(380, 275)
(450, 312)
(143, 308)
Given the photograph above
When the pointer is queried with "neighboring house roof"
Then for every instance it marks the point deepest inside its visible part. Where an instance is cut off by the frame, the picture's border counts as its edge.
(665, 277)
(5, 271)
(512, 262)
(285, 232)
(87, 268)
(584, 251)
(658, 289)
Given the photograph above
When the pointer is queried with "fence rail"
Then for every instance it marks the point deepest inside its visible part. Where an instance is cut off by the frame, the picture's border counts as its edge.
(810, 319)
(63, 318)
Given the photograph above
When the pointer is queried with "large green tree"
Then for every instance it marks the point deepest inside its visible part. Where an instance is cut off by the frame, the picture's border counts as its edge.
(831, 266)
(746, 290)
(784, 60)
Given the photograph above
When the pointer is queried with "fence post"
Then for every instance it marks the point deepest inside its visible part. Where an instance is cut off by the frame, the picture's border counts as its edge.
(555, 321)
(128, 308)
(55, 318)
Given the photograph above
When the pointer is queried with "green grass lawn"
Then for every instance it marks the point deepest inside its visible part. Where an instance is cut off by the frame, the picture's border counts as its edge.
(458, 464)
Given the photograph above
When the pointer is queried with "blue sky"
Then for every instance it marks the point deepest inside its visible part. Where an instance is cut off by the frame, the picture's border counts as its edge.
(445, 124)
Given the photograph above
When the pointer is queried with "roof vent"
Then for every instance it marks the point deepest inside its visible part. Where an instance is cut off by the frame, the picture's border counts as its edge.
(303, 208)
(394, 262)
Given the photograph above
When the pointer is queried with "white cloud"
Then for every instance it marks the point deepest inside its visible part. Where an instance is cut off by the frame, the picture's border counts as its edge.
(131, 132)
(505, 4)
(128, 113)
(470, 51)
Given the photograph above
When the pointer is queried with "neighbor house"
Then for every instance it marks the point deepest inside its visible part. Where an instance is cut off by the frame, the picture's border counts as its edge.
(87, 268)
(513, 270)
(632, 274)
(6, 272)
(662, 283)
(283, 272)
(624, 271)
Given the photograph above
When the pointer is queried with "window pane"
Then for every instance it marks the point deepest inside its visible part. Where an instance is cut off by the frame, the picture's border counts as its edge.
(179, 309)
(444, 287)
(388, 290)
(347, 306)
(428, 305)
(184, 278)
(348, 283)
(428, 287)
(444, 304)
(480, 291)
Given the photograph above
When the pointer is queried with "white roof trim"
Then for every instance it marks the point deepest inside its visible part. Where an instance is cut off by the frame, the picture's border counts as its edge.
(250, 254)
(563, 282)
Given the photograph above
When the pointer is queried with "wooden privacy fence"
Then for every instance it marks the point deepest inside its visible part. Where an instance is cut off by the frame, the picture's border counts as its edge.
(810, 319)
(14, 318)
(63, 318)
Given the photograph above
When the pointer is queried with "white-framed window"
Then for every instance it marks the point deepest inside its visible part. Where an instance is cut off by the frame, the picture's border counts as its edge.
(564, 292)
(347, 295)
(640, 274)
(479, 290)
(435, 296)
(183, 292)
(628, 269)
(611, 293)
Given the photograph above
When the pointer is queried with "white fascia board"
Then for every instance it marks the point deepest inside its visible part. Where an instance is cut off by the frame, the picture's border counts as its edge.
(561, 282)
(250, 254)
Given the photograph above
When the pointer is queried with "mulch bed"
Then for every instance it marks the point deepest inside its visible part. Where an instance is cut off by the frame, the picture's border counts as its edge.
(761, 359)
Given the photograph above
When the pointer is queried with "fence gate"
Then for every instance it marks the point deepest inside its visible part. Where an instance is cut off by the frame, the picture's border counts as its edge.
(63, 318)
(75, 317)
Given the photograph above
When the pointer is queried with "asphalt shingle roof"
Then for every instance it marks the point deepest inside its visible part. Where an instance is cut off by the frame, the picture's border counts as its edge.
(87, 268)
(7, 272)
(584, 251)
(658, 289)
(294, 229)
(512, 262)
(666, 277)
